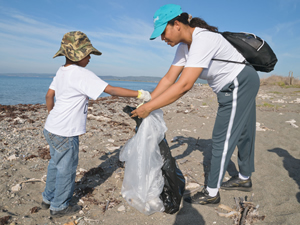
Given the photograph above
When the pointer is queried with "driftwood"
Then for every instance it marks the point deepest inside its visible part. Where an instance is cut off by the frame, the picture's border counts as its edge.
(245, 212)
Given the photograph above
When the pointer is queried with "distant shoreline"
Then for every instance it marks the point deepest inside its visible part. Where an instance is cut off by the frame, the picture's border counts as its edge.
(107, 78)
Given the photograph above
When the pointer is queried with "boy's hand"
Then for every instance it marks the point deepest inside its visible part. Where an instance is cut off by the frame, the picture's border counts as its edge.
(144, 95)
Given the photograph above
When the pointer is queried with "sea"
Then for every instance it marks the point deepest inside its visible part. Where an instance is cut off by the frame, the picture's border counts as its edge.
(16, 90)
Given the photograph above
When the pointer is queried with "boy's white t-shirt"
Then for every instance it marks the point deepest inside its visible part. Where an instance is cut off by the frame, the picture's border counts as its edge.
(73, 85)
(206, 46)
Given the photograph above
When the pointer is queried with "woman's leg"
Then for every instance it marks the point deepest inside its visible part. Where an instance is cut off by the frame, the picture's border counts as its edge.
(234, 124)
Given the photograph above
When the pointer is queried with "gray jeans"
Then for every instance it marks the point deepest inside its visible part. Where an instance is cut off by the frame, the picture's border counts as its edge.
(235, 126)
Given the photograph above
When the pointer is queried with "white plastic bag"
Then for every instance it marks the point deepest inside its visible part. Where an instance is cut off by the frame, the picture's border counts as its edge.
(143, 181)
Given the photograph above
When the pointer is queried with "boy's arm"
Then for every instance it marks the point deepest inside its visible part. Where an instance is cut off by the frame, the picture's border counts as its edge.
(118, 91)
(50, 99)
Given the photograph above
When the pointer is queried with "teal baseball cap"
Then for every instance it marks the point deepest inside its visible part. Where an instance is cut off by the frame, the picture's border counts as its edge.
(162, 16)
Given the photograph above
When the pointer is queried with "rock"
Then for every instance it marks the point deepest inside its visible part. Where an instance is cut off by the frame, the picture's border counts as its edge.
(12, 157)
(16, 188)
(191, 186)
(121, 208)
(112, 148)
(19, 120)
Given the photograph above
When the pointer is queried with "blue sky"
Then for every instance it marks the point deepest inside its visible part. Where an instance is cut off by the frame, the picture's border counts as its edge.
(31, 32)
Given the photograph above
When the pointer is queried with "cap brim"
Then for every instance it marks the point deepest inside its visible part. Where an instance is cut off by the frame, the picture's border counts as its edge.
(95, 51)
(91, 50)
(158, 31)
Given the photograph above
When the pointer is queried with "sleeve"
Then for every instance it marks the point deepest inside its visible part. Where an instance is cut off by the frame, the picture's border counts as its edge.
(92, 85)
(201, 52)
(52, 85)
(180, 58)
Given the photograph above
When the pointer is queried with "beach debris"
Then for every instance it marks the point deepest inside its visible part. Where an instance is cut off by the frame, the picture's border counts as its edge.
(12, 157)
(174, 139)
(19, 120)
(112, 148)
(35, 209)
(185, 130)
(264, 96)
(121, 208)
(180, 139)
(30, 157)
(74, 222)
(260, 127)
(98, 118)
(44, 152)
(292, 122)
(244, 213)
(191, 186)
(18, 186)
(4, 220)
(279, 101)
(81, 171)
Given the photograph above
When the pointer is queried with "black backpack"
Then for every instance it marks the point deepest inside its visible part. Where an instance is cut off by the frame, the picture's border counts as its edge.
(255, 50)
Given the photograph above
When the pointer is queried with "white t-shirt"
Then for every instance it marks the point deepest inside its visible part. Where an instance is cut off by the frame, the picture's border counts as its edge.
(205, 47)
(73, 85)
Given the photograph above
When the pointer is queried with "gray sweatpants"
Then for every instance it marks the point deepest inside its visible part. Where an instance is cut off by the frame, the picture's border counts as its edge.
(235, 126)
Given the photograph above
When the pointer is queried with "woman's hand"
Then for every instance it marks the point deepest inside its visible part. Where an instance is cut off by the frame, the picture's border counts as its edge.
(141, 112)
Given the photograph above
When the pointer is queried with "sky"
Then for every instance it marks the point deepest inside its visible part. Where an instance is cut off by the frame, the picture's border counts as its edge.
(31, 32)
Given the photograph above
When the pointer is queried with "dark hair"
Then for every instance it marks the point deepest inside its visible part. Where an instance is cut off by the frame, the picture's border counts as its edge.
(195, 22)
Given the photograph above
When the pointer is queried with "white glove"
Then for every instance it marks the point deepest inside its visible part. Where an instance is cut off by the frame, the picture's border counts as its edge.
(144, 95)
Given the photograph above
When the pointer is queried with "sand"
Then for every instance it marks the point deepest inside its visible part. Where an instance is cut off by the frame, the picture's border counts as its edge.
(190, 120)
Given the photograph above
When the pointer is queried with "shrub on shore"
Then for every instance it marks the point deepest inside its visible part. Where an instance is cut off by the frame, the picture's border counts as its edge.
(281, 81)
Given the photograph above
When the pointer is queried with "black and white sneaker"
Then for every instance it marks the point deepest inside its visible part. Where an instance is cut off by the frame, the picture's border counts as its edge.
(203, 198)
(236, 183)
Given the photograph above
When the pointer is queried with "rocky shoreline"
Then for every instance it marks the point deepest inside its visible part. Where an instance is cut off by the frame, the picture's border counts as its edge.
(24, 156)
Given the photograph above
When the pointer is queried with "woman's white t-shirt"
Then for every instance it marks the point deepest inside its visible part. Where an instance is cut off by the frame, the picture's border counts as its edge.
(206, 46)
(73, 85)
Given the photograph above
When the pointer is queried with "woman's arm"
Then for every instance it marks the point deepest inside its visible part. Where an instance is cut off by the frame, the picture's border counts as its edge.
(167, 81)
(118, 91)
(50, 100)
(184, 84)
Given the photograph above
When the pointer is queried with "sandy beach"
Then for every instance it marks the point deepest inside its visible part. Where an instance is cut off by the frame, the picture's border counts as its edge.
(24, 157)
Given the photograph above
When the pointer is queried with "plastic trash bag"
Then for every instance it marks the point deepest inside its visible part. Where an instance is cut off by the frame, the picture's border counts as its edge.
(174, 182)
(174, 185)
(143, 181)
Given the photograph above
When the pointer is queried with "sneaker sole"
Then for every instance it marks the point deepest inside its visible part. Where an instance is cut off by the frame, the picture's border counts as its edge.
(61, 215)
(246, 189)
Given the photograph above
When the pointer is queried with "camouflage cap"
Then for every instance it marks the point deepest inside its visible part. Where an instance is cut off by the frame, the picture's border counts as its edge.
(75, 45)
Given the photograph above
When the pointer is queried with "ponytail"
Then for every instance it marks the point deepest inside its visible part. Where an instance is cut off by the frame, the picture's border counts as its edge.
(194, 22)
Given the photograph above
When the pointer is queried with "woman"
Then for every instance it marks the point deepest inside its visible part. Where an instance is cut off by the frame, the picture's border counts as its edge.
(236, 86)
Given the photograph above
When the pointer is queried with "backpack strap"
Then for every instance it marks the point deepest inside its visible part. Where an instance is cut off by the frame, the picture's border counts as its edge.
(223, 60)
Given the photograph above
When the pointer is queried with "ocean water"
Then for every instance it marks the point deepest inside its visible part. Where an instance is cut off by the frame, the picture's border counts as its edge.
(32, 90)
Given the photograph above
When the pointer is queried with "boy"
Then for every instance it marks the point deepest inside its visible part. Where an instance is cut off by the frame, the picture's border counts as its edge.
(72, 86)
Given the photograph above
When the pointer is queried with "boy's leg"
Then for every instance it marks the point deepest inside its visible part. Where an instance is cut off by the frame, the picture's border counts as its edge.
(65, 158)
(48, 193)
